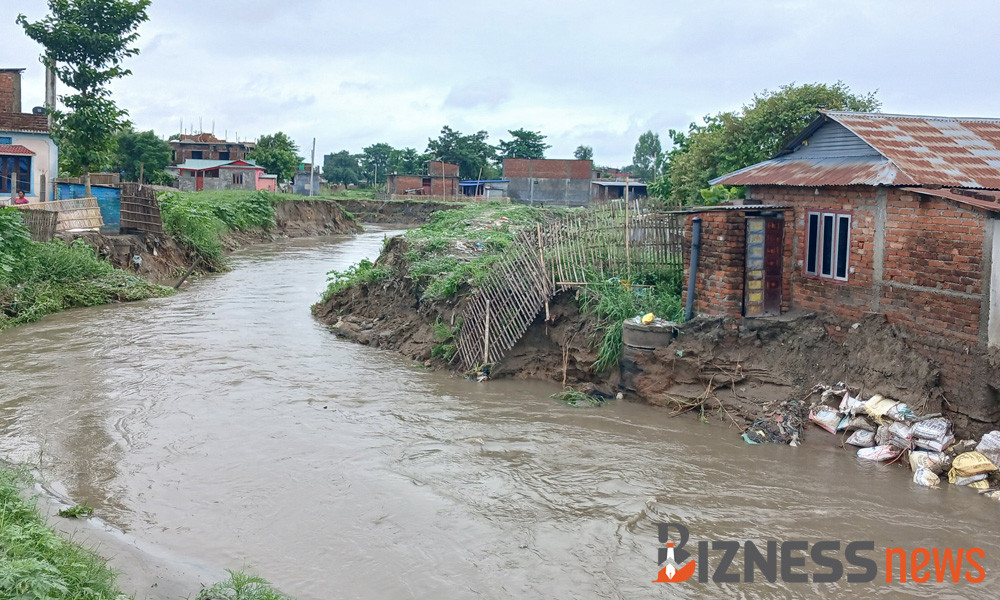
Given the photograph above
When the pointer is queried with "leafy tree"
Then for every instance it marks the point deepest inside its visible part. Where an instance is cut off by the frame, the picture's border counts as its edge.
(583, 153)
(407, 161)
(86, 42)
(342, 167)
(375, 162)
(278, 154)
(142, 152)
(732, 140)
(526, 144)
(648, 156)
(470, 152)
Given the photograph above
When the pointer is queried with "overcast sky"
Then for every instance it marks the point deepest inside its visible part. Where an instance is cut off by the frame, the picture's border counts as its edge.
(594, 73)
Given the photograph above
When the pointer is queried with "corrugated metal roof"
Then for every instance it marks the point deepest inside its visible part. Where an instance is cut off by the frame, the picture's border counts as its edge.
(15, 149)
(985, 200)
(914, 150)
(619, 184)
(202, 164)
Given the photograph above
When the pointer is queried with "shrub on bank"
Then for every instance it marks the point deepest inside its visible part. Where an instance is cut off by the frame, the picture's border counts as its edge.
(37, 279)
(200, 219)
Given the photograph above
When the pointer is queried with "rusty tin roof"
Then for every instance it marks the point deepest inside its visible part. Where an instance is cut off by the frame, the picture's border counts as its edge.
(909, 150)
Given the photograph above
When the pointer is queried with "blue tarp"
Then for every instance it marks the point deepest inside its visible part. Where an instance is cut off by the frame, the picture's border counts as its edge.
(108, 198)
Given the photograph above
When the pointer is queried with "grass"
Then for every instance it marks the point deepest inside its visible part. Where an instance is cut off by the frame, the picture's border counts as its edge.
(615, 300)
(445, 335)
(35, 561)
(572, 397)
(241, 586)
(37, 279)
(80, 510)
(362, 273)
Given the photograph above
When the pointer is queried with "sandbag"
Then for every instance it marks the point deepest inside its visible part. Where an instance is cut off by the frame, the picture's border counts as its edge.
(901, 412)
(931, 429)
(825, 417)
(972, 463)
(936, 444)
(851, 405)
(989, 447)
(979, 485)
(894, 434)
(877, 406)
(862, 438)
(967, 480)
(859, 423)
(884, 452)
(936, 462)
(926, 477)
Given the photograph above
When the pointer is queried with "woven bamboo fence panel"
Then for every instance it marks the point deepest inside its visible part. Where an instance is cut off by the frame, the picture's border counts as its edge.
(41, 223)
(596, 244)
(140, 209)
(75, 213)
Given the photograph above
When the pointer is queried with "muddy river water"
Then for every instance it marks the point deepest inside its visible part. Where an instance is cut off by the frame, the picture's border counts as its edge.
(224, 428)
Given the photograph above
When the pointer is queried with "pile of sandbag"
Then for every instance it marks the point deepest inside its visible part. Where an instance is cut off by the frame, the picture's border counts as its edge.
(886, 430)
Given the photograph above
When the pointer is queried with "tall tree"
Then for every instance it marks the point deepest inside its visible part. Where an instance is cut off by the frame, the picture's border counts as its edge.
(729, 141)
(143, 153)
(407, 161)
(375, 162)
(526, 144)
(86, 43)
(471, 153)
(278, 154)
(342, 167)
(583, 153)
(648, 156)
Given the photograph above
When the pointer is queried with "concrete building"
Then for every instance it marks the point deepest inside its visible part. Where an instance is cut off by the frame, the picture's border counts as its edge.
(205, 146)
(603, 191)
(872, 213)
(28, 156)
(304, 179)
(440, 179)
(197, 175)
(548, 182)
(486, 189)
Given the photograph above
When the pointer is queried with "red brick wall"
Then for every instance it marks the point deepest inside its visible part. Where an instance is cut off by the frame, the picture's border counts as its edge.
(10, 91)
(444, 187)
(438, 168)
(719, 279)
(546, 168)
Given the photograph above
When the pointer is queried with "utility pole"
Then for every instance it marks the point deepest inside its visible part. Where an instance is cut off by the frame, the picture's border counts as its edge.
(312, 170)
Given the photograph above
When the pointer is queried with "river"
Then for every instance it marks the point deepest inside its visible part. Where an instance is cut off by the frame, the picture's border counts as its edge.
(224, 428)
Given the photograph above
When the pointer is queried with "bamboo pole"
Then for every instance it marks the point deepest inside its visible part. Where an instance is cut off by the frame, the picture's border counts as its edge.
(628, 257)
(486, 335)
(541, 261)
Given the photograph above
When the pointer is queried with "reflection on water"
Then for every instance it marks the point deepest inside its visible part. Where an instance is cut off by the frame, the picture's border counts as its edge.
(224, 425)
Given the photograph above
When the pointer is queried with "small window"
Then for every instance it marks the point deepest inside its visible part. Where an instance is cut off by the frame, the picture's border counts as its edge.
(828, 245)
(196, 154)
(6, 140)
(223, 156)
(212, 173)
(238, 178)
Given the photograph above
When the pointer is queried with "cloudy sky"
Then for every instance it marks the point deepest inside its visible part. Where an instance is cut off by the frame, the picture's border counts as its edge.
(595, 73)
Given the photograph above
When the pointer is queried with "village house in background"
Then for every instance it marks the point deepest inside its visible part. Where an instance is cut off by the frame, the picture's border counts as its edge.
(205, 146)
(196, 175)
(484, 189)
(29, 159)
(304, 179)
(439, 179)
(548, 182)
(872, 213)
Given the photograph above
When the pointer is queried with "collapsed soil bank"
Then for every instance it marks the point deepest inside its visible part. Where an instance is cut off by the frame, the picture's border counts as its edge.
(403, 212)
(163, 260)
(748, 366)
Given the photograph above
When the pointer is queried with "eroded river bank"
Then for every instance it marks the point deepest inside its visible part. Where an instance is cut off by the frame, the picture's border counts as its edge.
(225, 428)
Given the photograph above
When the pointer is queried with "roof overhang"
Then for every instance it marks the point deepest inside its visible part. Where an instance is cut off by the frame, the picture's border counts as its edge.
(15, 149)
(982, 199)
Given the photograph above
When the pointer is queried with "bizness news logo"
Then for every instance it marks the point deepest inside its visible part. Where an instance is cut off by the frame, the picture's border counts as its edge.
(799, 561)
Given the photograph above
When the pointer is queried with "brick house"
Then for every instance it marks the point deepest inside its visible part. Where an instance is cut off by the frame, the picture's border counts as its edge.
(548, 182)
(205, 146)
(197, 175)
(28, 156)
(441, 179)
(864, 213)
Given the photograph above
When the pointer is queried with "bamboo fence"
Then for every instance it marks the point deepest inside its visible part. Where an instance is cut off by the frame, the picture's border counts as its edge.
(41, 223)
(75, 213)
(140, 209)
(599, 243)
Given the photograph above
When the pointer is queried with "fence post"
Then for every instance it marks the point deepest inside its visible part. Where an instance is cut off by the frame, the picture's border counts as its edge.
(486, 335)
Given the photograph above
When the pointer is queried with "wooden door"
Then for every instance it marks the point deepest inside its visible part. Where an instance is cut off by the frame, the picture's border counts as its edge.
(199, 183)
(762, 283)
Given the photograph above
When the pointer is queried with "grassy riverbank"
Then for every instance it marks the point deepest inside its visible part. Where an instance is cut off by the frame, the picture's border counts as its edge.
(37, 279)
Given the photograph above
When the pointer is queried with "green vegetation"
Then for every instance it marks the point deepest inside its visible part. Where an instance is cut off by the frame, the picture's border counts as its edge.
(241, 586)
(142, 153)
(37, 279)
(362, 273)
(278, 154)
(80, 510)
(35, 562)
(574, 398)
(200, 219)
(445, 335)
(616, 300)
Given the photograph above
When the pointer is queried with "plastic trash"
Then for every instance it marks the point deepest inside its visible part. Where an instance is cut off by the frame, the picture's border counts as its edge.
(938, 462)
(825, 417)
(968, 480)
(877, 406)
(862, 438)
(926, 477)
(901, 412)
(648, 318)
(989, 447)
(884, 452)
(860, 423)
(851, 405)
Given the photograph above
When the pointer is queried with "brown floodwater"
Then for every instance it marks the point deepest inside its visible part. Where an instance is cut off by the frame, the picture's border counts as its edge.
(225, 428)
